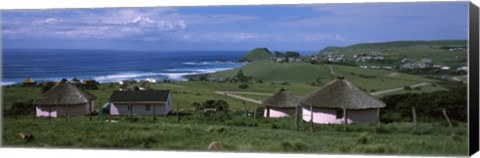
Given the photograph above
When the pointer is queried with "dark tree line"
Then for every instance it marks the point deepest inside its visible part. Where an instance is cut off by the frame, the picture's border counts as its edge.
(428, 106)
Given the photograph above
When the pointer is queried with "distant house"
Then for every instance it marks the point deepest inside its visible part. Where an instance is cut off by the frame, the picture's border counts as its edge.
(406, 60)
(64, 99)
(281, 104)
(463, 68)
(330, 101)
(29, 82)
(379, 58)
(445, 68)
(426, 60)
(151, 102)
(455, 49)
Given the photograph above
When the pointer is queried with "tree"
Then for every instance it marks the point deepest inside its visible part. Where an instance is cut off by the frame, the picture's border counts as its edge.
(243, 86)
(75, 79)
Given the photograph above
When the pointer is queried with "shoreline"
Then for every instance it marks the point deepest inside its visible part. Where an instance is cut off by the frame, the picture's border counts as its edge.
(188, 76)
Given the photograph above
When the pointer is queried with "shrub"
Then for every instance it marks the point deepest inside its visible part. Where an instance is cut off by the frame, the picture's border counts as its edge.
(243, 86)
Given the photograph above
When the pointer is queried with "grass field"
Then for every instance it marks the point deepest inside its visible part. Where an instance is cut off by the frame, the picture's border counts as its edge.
(196, 132)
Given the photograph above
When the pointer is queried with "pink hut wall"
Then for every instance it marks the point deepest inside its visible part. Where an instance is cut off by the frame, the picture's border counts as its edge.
(279, 112)
(138, 109)
(329, 116)
(61, 110)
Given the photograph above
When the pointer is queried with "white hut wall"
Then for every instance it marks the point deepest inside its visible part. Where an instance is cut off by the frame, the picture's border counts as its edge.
(168, 105)
(138, 109)
(279, 112)
(323, 115)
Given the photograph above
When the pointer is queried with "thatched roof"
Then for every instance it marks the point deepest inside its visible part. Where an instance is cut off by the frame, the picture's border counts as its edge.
(64, 93)
(341, 93)
(29, 80)
(281, 99)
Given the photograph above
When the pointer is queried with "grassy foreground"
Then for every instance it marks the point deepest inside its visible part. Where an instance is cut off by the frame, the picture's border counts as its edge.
(196, 132)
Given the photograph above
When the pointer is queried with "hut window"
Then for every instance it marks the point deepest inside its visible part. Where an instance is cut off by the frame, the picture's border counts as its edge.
(147, 107)
(339, 114)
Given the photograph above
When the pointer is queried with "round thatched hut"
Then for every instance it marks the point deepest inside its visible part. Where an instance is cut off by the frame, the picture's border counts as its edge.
(64, 99)
(337, 99)
(29, 82)
(281, 104)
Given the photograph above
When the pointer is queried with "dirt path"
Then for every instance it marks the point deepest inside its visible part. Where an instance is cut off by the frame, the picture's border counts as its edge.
(249, 93)
(331, 70)
(238, 97)
(398, 89)
(459, 78)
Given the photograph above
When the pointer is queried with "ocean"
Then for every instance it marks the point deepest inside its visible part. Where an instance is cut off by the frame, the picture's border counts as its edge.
(112, 65)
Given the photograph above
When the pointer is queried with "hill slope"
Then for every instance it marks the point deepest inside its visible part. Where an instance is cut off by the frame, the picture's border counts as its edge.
(257, 54)
(307, 73)
(438, 51)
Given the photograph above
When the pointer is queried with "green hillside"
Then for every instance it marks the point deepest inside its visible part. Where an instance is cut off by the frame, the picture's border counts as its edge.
(257, 54)
(371, 80)
(438, 51)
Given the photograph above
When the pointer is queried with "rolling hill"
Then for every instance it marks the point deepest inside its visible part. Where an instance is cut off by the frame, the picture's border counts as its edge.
(438, 51)
(371, 80)
(257, 54)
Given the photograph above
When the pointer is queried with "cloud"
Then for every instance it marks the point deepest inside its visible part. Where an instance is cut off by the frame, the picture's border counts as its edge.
(322, 37)
(113, 24)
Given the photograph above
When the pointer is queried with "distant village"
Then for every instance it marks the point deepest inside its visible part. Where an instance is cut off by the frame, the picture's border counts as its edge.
(370, 60)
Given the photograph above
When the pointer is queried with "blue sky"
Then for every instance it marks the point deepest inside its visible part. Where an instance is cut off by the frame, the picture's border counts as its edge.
(277, 27)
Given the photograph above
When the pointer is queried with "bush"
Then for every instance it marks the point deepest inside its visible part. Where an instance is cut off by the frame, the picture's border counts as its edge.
(18, 108)
(243, 86)
(285, 83)
(46, 86)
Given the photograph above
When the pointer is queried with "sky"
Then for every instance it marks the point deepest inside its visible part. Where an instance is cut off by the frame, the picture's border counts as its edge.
(277, 27)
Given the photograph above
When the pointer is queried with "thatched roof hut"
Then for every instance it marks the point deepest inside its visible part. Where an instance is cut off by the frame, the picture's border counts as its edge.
(281, 99)
(281, 104)
(341, 93)
(64, 99)
(29, 82)
(340, 101)
(64, 93)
